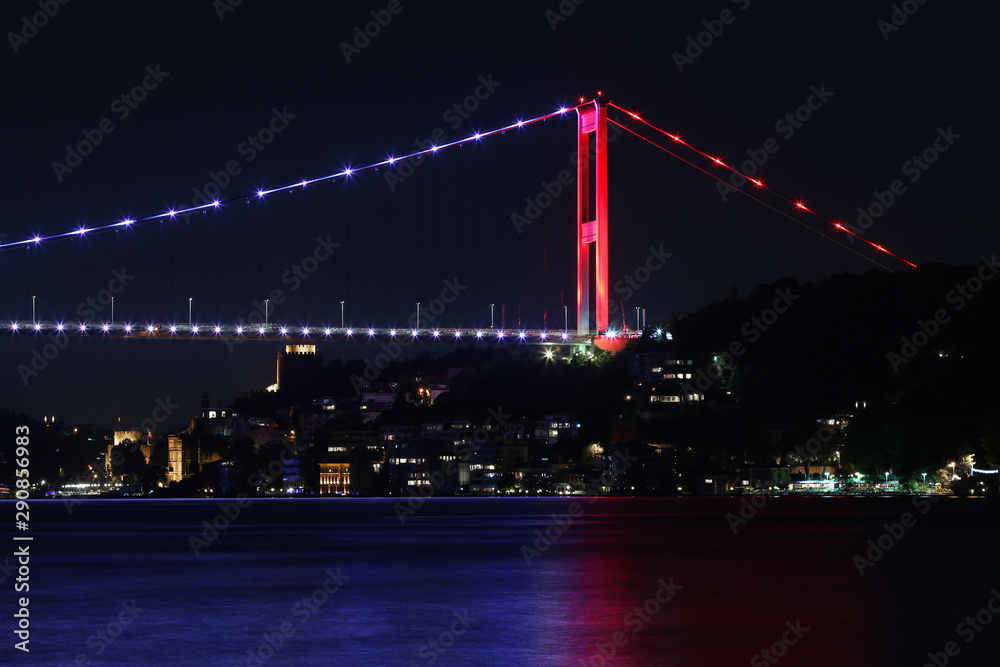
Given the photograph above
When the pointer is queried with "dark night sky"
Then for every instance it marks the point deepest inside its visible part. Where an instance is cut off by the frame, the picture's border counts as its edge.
(452, 217)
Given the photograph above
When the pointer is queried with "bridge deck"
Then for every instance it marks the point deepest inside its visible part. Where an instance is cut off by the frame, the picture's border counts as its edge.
(288, 334)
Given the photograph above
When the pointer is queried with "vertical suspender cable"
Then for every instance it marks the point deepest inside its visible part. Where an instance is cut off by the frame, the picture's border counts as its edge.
(347, 238)
(392, 244)
(475, 203)
(545, 254)
(461, 212)
(420, 234)
(333, 224)
(377, 260)
(519, 188)
(503, 245)
(216, 312)
(246, 256)
(434, 223)
(260, 250)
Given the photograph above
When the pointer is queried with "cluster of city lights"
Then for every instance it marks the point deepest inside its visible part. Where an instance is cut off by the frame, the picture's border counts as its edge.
(347, 172)
(715, 160)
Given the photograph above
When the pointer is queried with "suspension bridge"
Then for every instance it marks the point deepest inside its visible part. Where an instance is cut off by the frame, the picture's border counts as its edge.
(584, 317)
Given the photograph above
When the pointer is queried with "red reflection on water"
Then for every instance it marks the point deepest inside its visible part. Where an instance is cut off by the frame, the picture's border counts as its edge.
(665, 582)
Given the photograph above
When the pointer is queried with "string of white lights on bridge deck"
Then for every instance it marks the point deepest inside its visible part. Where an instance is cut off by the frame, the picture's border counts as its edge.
(283, 332)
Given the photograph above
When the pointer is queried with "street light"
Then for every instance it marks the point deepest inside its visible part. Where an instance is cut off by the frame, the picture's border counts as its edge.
(190, 302)
(638, 327)
(952, 466)
(565, 318)
(33, 320)
(341, 314)
(417, 325)
(491, 315)
(266, 308)
(925, 480)
(112, 310)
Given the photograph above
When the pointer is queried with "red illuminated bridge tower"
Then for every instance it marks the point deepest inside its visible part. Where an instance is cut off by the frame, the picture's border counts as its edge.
(592, 212)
